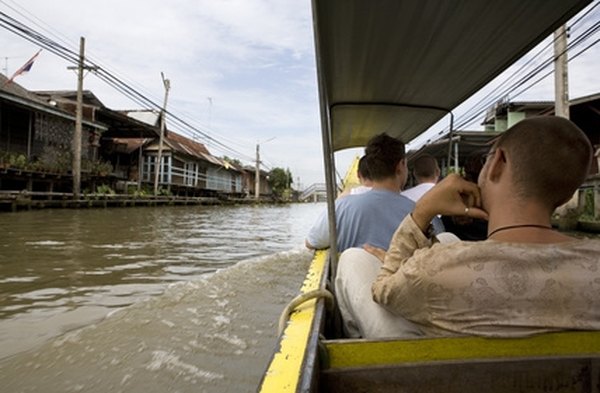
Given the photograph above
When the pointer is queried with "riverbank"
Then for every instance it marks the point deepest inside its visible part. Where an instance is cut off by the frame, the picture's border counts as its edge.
(13, 201)
(578, 225)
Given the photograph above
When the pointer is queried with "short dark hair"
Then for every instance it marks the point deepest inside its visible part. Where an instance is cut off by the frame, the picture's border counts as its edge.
(383, 153)
(474, 163)
(425, 166)
(363, 168)
(550, 157)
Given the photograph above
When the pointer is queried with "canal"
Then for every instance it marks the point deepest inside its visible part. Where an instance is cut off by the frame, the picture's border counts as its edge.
(146, 299)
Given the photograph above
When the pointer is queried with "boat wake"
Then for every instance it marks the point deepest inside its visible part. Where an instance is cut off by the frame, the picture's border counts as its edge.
(214, 334)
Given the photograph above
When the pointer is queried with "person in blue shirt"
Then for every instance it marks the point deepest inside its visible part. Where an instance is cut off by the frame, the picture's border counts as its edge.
(371, 217)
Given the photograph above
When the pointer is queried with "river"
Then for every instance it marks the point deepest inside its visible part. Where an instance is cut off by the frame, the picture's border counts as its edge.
(173, 299)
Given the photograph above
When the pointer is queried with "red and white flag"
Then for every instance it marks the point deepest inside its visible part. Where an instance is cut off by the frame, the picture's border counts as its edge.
(25, 68)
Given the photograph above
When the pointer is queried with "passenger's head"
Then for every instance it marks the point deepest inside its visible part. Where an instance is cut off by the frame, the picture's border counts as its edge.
(549, 157)
(425, 168)
(363, 170)
(383, 155)
(473, 165)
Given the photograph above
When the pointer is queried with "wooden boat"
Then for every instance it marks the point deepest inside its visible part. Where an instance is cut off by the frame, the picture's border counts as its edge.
(399, 67)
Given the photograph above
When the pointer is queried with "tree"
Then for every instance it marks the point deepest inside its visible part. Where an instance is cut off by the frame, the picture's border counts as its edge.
(280, 180)
(233, 161)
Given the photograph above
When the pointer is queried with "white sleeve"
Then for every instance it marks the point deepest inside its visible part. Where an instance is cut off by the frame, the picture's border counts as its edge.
(318, 236)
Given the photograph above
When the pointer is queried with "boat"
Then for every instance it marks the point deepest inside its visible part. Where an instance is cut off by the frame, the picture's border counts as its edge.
(399, 67)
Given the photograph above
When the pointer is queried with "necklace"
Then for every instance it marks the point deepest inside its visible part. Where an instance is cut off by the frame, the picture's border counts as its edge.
(518, 226)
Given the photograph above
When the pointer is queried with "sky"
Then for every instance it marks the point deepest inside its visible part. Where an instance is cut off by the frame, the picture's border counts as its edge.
(241, 70)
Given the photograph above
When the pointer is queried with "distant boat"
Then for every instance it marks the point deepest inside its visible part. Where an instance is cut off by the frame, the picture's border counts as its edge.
(399, 67)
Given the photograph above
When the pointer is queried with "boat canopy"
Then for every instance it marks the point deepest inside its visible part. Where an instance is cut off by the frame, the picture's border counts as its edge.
(399, 66)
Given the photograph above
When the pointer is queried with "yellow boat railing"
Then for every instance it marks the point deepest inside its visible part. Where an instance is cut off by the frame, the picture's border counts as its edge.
(294, 360)
(367, 353)
(551, 362)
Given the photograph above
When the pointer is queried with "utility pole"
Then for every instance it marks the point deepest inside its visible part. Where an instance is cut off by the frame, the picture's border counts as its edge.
(561, 78)
(76, 144)
(210, 102)
(158, 167)
(257, 174)
(257, 171)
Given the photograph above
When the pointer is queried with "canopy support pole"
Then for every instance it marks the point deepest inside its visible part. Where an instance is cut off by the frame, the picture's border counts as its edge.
(328, 153)
(450, 137)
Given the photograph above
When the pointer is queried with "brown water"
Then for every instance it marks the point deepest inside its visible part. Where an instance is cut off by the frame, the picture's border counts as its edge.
(146, 299)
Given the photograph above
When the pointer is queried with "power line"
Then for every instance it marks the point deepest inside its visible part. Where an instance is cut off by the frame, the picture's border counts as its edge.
(475, 111)
(112, 80)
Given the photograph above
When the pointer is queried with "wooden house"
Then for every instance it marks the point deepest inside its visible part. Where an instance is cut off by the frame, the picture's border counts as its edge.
(583, 111)
(36, 135)
(130, 143)
(119, 146)
(249, 181)
(187, 167)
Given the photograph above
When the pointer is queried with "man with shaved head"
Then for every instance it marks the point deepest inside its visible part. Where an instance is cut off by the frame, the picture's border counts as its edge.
(526, 278)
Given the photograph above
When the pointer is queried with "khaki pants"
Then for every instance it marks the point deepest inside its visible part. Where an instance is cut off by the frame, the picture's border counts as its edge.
(357, 270)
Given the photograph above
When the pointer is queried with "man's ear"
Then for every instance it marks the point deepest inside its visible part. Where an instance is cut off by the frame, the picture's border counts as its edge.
(401, 166)
(497, 166)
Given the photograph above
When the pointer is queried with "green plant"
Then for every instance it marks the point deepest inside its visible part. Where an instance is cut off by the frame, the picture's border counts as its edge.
(461, 171)
(588, 205)
(164, 191)
(280, 180)
(18, 161)
(63, 162)
(4, 158)
(143, 192)
(101, 168)
(35, 166)
(104, 190)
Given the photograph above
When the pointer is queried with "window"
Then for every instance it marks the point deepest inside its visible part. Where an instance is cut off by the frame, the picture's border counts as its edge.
(190, 175)
(148, 169)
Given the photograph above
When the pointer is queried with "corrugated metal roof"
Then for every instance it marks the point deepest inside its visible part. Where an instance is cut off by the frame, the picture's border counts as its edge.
(145, 116)
(211, 159)
(17, 94)
(89, 98)
(18, 90)
(585, 99)
(187, 145)
(195, 149)
(130, 144)
(469, 142)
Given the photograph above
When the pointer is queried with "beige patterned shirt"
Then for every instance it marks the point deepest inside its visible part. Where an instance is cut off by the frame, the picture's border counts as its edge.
(490, 288)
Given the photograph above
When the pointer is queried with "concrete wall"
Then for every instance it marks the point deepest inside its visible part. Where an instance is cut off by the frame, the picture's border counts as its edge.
(514, 118)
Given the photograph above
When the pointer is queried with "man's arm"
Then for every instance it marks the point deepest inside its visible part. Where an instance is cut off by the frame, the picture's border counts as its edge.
(392, 287)
(308, 245)
(318, 236)
(397, 284)
(453, 196)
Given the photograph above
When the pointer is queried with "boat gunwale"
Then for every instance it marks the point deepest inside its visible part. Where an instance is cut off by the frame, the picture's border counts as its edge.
(303, 329)
(346, 353)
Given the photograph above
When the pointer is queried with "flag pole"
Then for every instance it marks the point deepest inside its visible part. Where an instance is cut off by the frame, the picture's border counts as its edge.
(24, 68)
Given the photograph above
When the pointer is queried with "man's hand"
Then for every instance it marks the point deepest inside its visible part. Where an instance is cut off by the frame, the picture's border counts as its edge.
(453, 196)
(308, 245)
(378, 252)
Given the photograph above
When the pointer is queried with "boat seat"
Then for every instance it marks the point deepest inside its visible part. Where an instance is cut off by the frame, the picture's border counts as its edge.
(553, 362)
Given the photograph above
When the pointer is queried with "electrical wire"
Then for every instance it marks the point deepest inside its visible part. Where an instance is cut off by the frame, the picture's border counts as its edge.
(483, 105)
(71, 56)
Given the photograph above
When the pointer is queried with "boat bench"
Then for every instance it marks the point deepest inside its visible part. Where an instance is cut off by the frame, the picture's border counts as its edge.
(553, 362)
